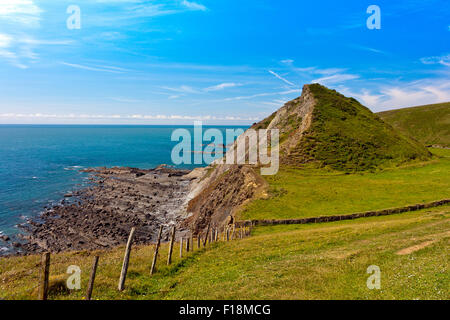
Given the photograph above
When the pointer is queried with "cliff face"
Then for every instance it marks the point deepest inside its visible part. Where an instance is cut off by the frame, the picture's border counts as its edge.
(218, 201)
(321, 127)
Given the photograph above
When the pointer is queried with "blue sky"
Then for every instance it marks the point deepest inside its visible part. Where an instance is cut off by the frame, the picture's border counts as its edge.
(222, 61)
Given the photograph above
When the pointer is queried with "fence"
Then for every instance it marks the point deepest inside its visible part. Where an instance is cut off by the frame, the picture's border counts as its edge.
(366, 214)
(238, 230)
(212, 235)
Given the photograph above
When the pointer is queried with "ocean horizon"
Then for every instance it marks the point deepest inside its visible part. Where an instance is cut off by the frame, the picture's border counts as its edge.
(42, 162)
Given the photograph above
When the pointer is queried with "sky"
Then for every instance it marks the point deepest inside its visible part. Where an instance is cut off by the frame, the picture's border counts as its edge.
(220, 61)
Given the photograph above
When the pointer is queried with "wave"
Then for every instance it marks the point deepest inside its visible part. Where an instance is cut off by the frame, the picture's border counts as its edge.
(73, 168)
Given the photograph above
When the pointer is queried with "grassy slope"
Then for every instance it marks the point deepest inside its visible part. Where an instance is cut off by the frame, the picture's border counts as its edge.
(347, 136)
(326, 261)
(297, 193)
(428, 124)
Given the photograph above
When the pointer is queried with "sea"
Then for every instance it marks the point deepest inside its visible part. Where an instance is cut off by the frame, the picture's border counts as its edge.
(41, 163)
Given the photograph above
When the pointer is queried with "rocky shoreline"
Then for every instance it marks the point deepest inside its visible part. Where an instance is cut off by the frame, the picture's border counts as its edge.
(102, 215)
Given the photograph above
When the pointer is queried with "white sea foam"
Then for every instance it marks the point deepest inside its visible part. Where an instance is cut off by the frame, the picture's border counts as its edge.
(73, 168)
(4, 249)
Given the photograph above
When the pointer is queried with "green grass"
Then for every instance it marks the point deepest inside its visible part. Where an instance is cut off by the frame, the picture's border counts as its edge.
(347, 136)
(428, 124)
(298, 193)
(316, 261)
(321, 261)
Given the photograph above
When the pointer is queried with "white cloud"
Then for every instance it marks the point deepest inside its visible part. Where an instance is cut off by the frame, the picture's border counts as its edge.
(287, 61)
(93, 68)
(120, 117)
(181, 89)
(18, 49)
(193, 5)
(317, 75)
(328, 71)
(403, 95)
(5, 40)
(222, 86)
(266, 94)
(443, 60)
(25, 12)
(336, 78)
(369, 49)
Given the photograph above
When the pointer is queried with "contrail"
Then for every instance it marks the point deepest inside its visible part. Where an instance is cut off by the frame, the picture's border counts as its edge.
(281, 78)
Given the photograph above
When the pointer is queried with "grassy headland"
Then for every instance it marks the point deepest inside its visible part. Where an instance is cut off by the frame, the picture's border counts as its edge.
(428, 124)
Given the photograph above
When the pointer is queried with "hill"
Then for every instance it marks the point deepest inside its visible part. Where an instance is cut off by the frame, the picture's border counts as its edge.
(325, 127)
(321, 128)
(429, 124)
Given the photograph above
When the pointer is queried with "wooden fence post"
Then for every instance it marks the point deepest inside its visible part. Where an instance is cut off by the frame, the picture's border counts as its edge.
(198, 241)
(191, 239)
(155, 255)
(172, 240)
(92, 278)
(181, 247)
(228, 234)
(187, 244)
(126, 260)
(45, 271)
(206, 235)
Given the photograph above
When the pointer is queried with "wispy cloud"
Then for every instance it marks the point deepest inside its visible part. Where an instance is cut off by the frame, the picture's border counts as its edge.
(222, 86)
(281, 78)
(336, 78)
(24, 12)
(443, 60)
(193, 5)
(137, 11)
(264, 94)
(403, 95)
(317, 75)
(369, 49)
(5, 40)
(19, 49)
(108, 69)
(181, 89)
(122, 117)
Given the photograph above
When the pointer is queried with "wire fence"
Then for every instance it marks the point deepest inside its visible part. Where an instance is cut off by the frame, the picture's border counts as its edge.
(186, 244)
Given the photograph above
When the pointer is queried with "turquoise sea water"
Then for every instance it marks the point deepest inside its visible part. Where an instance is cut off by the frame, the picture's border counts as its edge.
(40, 163)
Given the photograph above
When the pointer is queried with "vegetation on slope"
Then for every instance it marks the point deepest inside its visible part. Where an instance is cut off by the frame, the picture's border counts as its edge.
(347, 136)
(429, 124)
(308, 192)
(321, 261)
